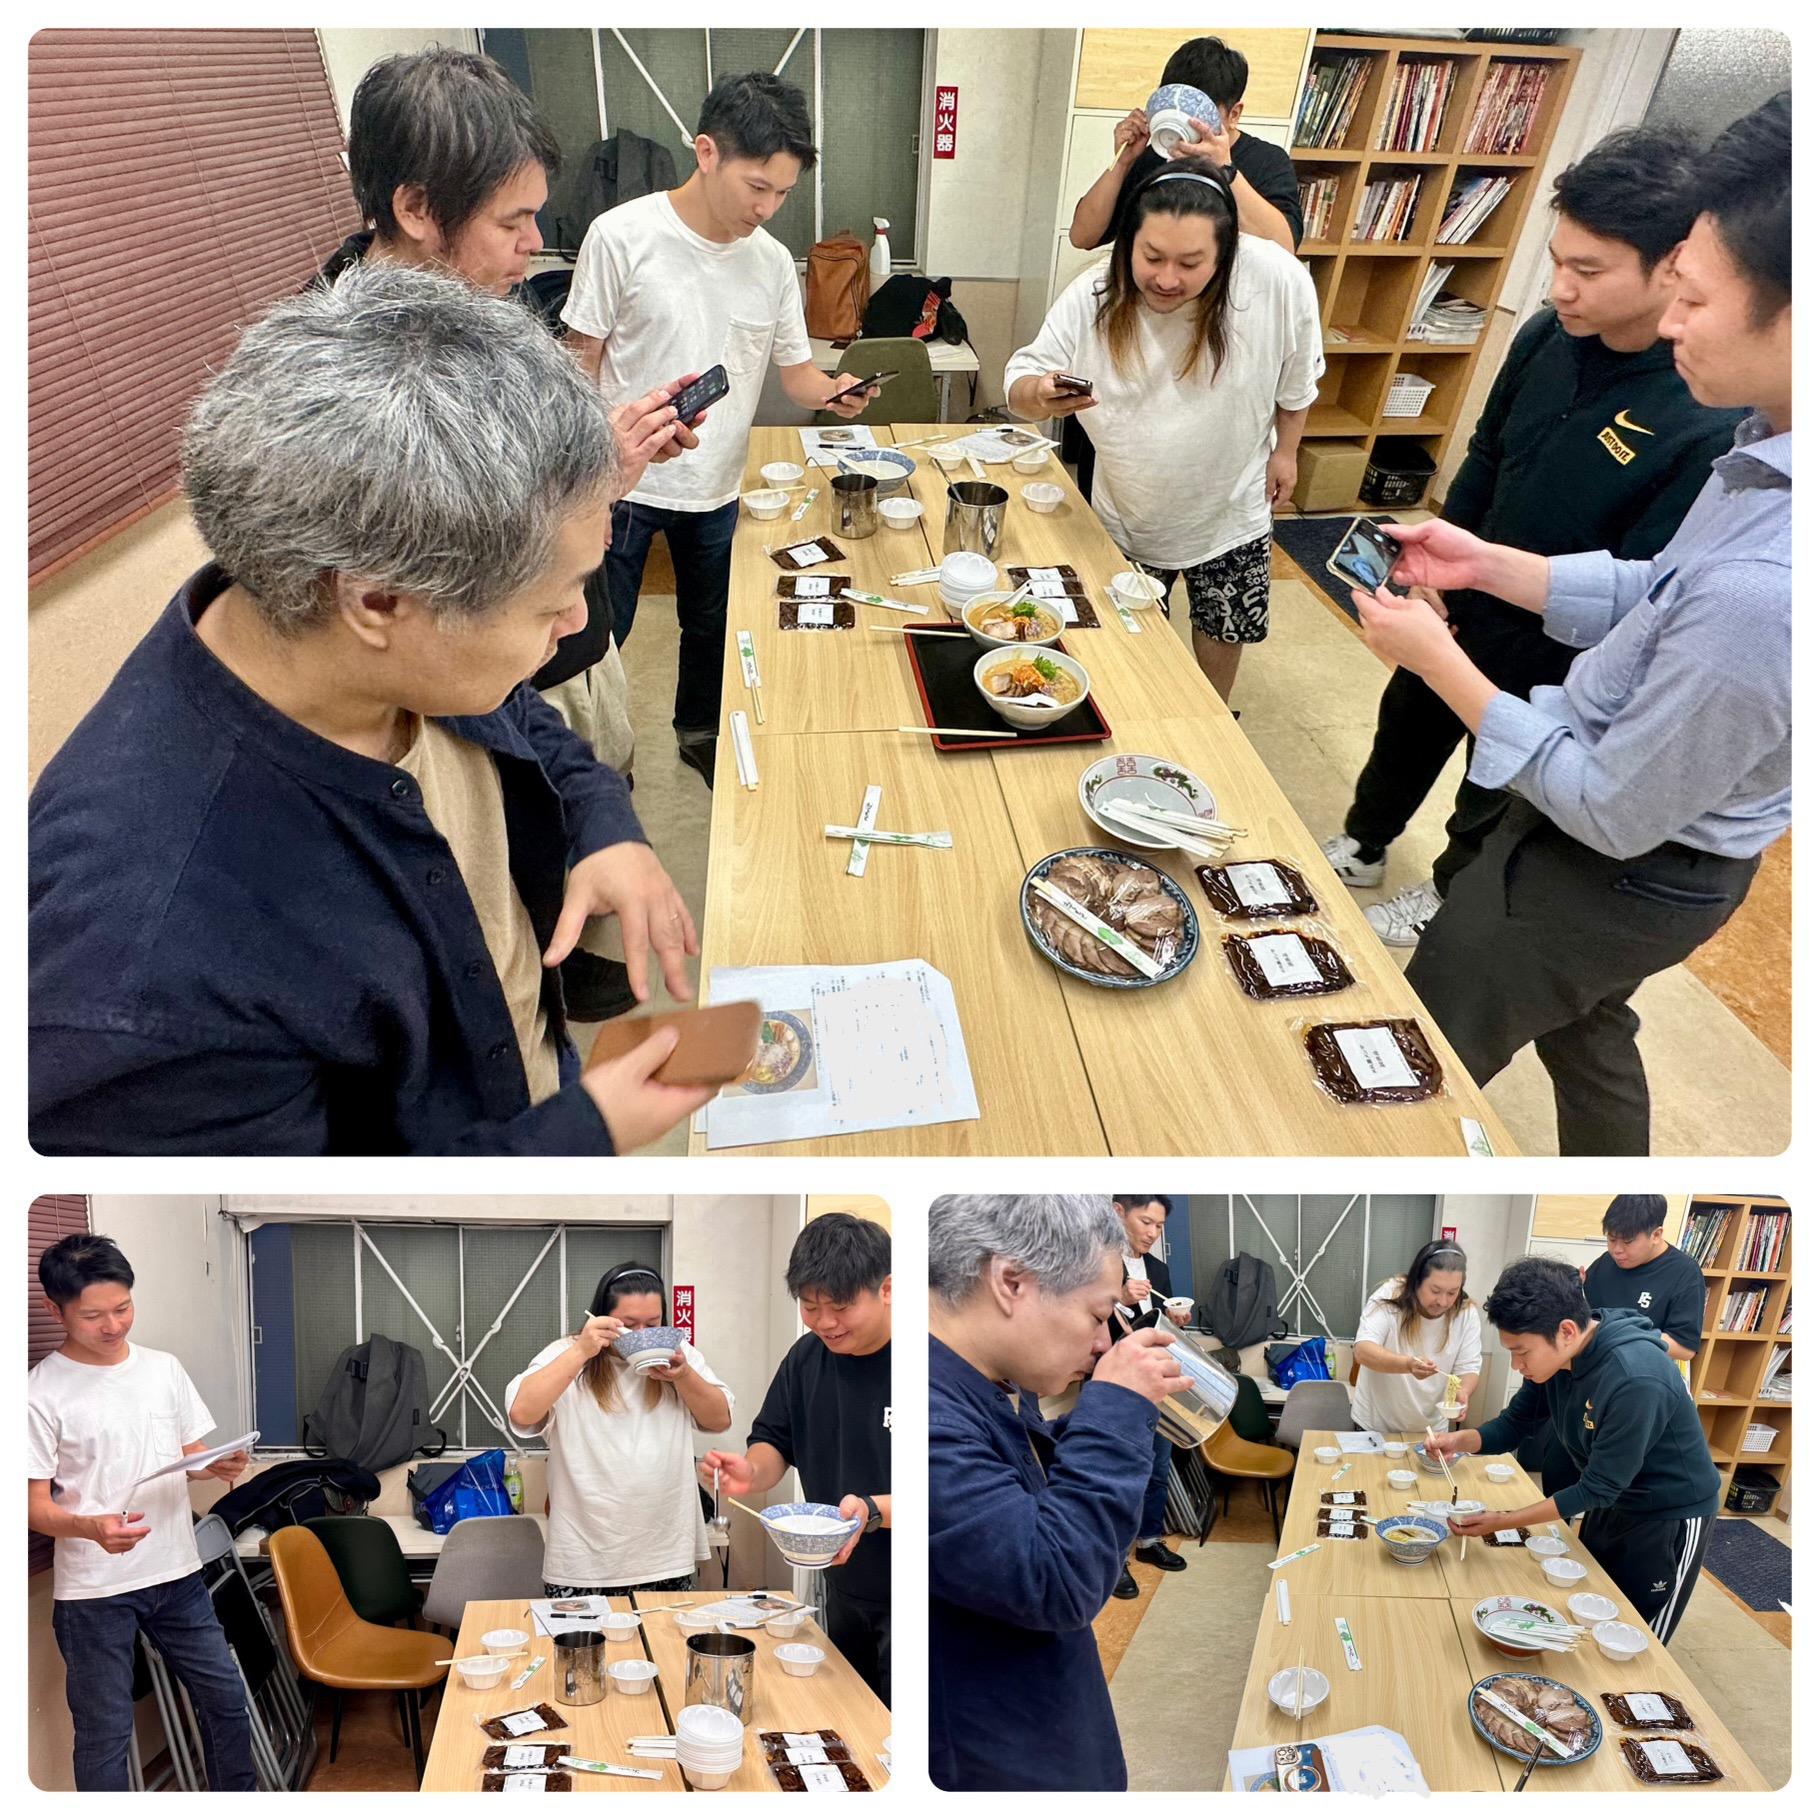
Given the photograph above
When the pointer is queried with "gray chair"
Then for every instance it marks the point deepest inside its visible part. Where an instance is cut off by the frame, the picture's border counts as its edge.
(484, 1557)
(1313, 1407)
(912, 397)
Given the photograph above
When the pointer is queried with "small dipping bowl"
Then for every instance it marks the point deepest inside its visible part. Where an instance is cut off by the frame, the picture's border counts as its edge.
(1563, 1573)
(1589, 1608)
(1402, 1480)
(1135, 590)
(1020, 713)
(1327, 1455)
(1395, 1449)
(1314, 1688)
(1031, 461)
(791, 1621)
(966, 572)
(1500, 1474)
(1180, 1308)
(900, 514)
(503, 1642)
(1042, 496)
(1619, 1641)
(768, 502)
(482, 1670)
(1545, 1547)
(780, 473)
(620, 1626)
(632, 1677)
(800, 1658)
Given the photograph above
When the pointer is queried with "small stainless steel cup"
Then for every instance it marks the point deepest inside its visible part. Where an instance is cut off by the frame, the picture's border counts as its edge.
(580, 1667)
(720, 1672)
(856, 504)
(975, 516)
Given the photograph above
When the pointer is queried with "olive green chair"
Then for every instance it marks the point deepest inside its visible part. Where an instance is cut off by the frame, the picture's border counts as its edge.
(912, 397)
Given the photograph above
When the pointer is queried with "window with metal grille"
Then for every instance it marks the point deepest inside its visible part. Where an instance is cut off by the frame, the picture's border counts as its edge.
(50, 1217)
(179, 183)
(864, 91)
(478, 1301)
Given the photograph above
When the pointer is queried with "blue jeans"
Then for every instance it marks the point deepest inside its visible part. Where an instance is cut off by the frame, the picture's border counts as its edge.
(96, 1636)
(1155, 1497)
(701, 549)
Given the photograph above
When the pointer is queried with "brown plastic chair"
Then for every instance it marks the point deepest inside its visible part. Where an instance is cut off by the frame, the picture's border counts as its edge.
(1228, 1456)
(337, 1649)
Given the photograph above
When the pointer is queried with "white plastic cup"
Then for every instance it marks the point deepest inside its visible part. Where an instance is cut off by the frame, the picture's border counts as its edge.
(1327, 1455)
(503, 1642)
(1402, 1481)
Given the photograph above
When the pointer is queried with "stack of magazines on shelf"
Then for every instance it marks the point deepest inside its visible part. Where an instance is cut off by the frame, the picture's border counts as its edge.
(1329, 97)
(1467, 207)
(1387, 210)
(1742, 1310)
(1319, 197)
(1417, 107)
(1704, 1233)
(1507, 108)
(1777, 1379)
(1764, 1236)
(1441, 317)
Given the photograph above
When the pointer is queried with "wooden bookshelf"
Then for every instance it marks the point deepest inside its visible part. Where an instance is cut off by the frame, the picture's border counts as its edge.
(1372, 286)
(1728, 1373)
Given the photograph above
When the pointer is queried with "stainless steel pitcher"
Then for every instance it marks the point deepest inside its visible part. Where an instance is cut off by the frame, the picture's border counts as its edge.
(580, 1667)
(975, 517)
(856, 504)
(720, 1672)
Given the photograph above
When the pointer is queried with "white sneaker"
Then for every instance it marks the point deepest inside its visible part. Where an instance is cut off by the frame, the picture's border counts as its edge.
(1403, 920)
(1342, 855)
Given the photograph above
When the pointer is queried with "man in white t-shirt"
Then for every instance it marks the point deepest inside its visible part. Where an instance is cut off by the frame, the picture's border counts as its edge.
(100, 1415)
(1418, 1334)
(681, 282)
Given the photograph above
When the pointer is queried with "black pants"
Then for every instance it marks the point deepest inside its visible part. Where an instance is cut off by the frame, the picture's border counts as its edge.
(861, 1631)
(1655, 1560)
(1546, 1461)
(1543, 940)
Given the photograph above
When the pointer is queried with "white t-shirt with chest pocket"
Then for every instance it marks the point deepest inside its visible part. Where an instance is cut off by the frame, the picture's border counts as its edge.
(94, 1430)
(667, 302)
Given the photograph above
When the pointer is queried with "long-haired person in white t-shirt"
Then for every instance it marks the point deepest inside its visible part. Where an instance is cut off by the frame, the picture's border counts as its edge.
(624, 1513)
(1203, 346)
(1418, 1331)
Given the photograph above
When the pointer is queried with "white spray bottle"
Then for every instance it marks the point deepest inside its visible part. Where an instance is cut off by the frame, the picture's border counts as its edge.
(881, 249)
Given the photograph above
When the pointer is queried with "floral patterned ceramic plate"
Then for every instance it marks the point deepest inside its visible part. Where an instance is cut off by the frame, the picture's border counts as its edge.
(1144, 782)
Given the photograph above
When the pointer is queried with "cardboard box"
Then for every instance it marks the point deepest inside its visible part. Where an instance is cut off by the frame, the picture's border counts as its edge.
(1328, 476)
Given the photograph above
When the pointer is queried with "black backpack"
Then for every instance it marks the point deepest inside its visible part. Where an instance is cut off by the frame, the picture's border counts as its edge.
(298, 1491)
(374, 1408)
(917, 307)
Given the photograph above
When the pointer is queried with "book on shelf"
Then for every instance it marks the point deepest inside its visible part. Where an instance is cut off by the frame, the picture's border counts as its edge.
(1442, 318)
(1778, 1388)
(1319, 200)
(1742, 1310)
(1508, 106)
(1386, 211)
(1764, 1236)
(1416, 108)
(1469, 206)
(1777, 1356)
(1703, 1237)
(1330, 93)
(1787, 1317)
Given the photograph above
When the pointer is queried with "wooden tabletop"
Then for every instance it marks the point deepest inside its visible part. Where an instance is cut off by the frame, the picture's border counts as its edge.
(1189, 1068)
(832, 1698)
(599, 1732)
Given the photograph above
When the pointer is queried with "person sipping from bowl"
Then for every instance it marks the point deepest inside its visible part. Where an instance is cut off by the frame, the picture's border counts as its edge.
(1645, 1485)
(827, 1413)
(1204, 347)
(1030, 1520)
(623, 1512)
(1146, 1288)
(1417, 1330)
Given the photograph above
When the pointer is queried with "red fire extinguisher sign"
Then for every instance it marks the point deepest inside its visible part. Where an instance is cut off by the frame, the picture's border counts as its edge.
(684, 1300)
(947, 121)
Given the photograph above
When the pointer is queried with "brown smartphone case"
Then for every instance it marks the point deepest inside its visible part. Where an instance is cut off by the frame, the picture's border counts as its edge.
(718, 1045)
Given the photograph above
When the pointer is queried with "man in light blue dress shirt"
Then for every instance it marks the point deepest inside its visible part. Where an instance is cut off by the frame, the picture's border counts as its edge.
(1644, 790)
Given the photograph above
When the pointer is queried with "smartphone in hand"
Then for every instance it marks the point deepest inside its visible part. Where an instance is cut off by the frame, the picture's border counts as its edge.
(1365, 556)
(864, 385)
(1073, 385)
(698, 394)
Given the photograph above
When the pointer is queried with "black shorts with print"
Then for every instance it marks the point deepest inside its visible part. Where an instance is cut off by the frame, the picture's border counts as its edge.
(1228, 597)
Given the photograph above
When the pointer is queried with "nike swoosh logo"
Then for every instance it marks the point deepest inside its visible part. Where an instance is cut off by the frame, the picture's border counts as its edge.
(1622, 421)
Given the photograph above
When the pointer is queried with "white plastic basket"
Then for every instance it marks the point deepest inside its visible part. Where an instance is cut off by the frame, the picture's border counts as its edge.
(1757, 1439)
(1408, 395)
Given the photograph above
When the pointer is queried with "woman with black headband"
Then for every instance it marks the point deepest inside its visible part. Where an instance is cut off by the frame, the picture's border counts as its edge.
(1203, 346)
(1417, 1333)
(624, 1514)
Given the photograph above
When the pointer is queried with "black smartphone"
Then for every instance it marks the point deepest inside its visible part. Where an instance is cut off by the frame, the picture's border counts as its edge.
(1365, 556)
(698, 394)
(863, 386)
(1074, 385)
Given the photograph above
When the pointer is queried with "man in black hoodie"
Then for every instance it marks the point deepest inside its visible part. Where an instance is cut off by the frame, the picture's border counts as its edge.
(1620, 1410)
(1588, 440)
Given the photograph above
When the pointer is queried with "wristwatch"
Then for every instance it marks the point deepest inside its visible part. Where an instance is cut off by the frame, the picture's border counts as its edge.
(1227, 173)
(875, 1520)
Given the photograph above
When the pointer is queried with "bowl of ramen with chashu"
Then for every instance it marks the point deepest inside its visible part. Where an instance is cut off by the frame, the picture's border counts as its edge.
(1030, 690)
(998, 625)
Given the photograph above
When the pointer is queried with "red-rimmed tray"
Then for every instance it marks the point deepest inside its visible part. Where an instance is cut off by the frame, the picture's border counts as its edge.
(943, 668)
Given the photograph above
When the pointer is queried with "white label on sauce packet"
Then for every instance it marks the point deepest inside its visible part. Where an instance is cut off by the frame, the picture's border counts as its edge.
(1342, 1498)
(811, 587)
(1284, 959)
(1048, 590)
(803, 1740)
(824, 1779)
(799, 1756)
(1042, 574)
(1666, 1758)
(1508, 1536)
(1257, 885)
(1374, 1058)
(814, 612)
(1649, 1708)
(524, 1784)
(524, 1755)
(517, 1724)
(805, 555)
(1346, 1530)
(1065, 610)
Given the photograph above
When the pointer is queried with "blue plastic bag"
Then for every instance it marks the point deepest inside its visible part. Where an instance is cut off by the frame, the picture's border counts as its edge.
(476, 1489)
(1305, 1364)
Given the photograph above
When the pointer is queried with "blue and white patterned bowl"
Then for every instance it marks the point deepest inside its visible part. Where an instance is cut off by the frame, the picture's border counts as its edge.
(1412, 1553)
(1173, 111)
(648, 1348)
(831, 1531)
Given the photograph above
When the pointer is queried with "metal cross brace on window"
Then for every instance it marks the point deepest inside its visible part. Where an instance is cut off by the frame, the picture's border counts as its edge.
(1297, 1290)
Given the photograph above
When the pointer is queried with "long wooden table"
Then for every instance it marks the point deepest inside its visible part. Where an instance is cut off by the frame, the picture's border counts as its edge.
(1420, 1651)
(1190, 1068)
(832, 1698)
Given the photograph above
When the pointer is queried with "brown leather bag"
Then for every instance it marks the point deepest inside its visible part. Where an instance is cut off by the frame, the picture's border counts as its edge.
(839, 288)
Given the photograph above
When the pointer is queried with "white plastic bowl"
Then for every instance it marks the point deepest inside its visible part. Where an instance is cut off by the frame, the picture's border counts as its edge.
(482, 1670)
(1500, 1474)
(1020, 713)
(1545, 1547)
(800, 1658)
(1588, 1607)
(1620, 1641)
(1135, 590)
(900, 514)
(620, 1626)
(1563, 1572)
(1042, 496)
(1395, 1449)
(787, 1625)
(1402, 1480)
(503, 1642)
(706, 1781)
(632, 1677)
(1031, 461)
(1314, 1688)
(768, 502)
(1327, 1455)
(1180, 1307)
(780, 473)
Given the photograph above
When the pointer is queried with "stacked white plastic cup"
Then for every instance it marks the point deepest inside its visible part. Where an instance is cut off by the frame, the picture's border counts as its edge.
(710, 1744)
